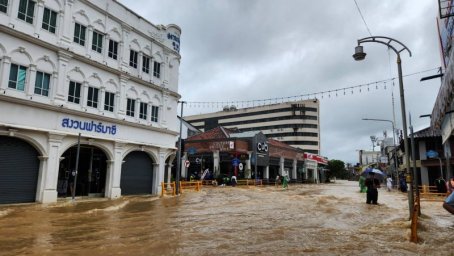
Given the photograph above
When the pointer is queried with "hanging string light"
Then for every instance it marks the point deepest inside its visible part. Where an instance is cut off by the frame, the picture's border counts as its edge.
(313, 95)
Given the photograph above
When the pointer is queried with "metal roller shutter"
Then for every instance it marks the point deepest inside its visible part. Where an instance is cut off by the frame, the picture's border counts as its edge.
(19, 168)
(137, 174)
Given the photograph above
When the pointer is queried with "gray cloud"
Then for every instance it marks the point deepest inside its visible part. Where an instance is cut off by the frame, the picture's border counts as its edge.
(257, 49)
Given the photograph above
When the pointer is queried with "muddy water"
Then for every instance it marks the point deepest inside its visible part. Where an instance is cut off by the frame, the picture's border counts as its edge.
(330, 219)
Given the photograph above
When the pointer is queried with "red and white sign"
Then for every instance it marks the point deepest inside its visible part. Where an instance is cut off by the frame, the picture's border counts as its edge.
(187, 163)
(316, 158)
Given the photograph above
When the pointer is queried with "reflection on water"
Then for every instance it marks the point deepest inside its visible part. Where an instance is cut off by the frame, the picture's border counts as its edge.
(330, 219)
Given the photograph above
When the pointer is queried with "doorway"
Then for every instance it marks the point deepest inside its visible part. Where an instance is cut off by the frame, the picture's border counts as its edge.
(91, 176)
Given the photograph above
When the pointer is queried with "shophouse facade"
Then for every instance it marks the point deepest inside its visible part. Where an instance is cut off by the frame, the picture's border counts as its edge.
(247, 155)
(89, 68)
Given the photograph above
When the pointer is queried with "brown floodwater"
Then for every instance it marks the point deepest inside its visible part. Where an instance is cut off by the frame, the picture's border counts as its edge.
(327, 219)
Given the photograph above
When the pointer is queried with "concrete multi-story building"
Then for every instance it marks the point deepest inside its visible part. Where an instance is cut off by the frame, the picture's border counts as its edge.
(89, 68)
(294, 123)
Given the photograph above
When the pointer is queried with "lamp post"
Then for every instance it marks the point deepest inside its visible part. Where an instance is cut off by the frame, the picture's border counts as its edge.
(397, 47)
(373, 138)
(394, 141)
(177, 176)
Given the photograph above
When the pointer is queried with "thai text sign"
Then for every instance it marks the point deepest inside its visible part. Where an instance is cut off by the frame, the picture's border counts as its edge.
(92, 126)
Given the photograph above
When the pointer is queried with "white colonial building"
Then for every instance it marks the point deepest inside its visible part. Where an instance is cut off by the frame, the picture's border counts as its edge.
(95, 68)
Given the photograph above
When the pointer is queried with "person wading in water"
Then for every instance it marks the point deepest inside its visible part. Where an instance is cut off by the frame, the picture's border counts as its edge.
(372, 185)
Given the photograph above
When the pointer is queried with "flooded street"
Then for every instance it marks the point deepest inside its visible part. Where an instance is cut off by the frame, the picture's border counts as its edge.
(327, 219)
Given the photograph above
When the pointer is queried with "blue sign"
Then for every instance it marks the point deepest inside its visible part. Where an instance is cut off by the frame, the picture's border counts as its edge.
(192, 150)
(89, 126)
(176, 41)
(235, 161)
(432, 154)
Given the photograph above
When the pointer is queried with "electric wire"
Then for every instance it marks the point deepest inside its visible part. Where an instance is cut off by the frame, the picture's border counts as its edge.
(362, 17)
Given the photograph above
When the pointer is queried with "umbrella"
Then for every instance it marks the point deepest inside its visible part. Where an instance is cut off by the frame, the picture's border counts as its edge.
(373, 170)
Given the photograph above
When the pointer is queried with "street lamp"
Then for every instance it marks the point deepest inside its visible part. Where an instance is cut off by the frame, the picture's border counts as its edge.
(398, 47)
(373, 139)
(394, 140)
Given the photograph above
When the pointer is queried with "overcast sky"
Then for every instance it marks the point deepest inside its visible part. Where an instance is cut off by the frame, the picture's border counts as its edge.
(258, 49)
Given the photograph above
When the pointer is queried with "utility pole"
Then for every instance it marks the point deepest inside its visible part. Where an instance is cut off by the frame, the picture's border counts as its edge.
(177, 176)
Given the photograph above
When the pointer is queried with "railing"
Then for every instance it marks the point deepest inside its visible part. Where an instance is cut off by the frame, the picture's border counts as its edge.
(249, 182)
(168, 188)
(195, 185)
(430, 193)
(207, 182)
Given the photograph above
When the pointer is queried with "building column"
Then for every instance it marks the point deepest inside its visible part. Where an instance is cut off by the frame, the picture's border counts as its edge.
(115, 175)
(120, 52)
(105, 50)
(122, 96)
(60, 85)
(53, 85)
(184, 170)
(102, 99)
(248, 171)
(156, 183)
(294, 176)
(50, 175)
(158, 172)
(109, 175)
(216, 165)
(66, 24)
(169, 174)
(6, 66)
(162, 118)
(13, 8)
(124, 57)
(89, 40)
(30, 83)
(39, 17)
(60, 24)
(42, 170)
(281, 166)
(84, 96)
(266, 175)
(137, 110)
(140, 64)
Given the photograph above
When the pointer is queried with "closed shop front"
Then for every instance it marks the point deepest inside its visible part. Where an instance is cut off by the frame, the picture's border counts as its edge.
(137, 174)
(19, 169)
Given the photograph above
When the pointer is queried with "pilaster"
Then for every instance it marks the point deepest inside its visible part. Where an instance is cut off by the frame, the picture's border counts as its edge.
(6, 66)
(50, 175)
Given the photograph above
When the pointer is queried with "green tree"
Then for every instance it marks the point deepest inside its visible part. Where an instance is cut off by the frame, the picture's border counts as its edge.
(337, 169)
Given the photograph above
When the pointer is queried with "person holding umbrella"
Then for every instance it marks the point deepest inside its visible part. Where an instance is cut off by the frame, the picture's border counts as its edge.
(372, 185)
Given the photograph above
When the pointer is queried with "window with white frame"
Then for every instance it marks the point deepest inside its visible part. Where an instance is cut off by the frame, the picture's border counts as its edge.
(26, 10)
(49, 20)
(109, 101)
(146, 64)
(74, 92)
(3, 6)
(17, 77)
(97, 41)
(143, 114)
(157, 69)
(92, 99)
(79, 34)
(154, 113)
(113, 49)
(130, 107)
(42, 83)
(133, 55)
